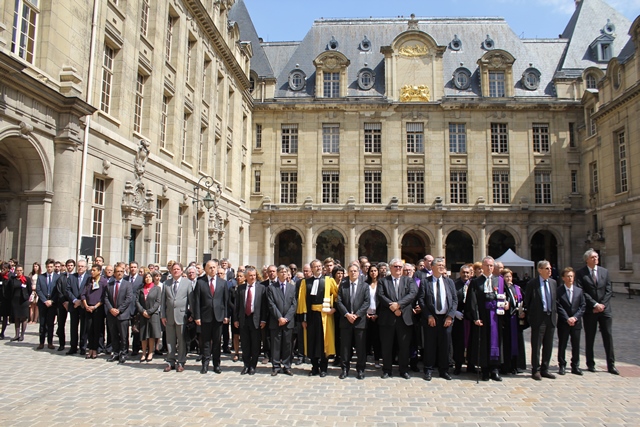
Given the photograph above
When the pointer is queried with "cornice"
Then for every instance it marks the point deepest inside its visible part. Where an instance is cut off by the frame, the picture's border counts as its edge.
(616, 103)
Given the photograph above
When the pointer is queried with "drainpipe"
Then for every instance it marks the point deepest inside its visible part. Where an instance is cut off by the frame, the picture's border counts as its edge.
(87, 125)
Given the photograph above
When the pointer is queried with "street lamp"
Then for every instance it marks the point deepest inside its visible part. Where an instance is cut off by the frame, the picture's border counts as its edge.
(208, 199)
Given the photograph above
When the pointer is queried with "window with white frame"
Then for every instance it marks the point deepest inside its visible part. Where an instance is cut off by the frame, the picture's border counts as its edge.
(330, 186)
(137, 111)
(541, 138)
(499, 138)
(190, 50)
(25, 21)
(144, 18)
(182, 211)
(591, 81)
(256, 181)
(457, 138)
(289, 187)
(458, 187)
(185, 135)
(164, 121)
(258, 136)
(290, 139)
(373, 186)
(201, 149)
(501, 187)
(574, 181)
(331, 138)
(97, 213)
(593, 171)
(171, 21)
(620, 146)
(543, 187)
(592, 123)
(372, 137)
(415, 186)
(107, 78)
(496, 84)
(157, 248)
(331, 85)
(415, 137)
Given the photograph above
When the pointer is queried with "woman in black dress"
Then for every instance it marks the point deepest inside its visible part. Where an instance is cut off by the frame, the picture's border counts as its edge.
(148, 304)
(20, 287)
(92, 297)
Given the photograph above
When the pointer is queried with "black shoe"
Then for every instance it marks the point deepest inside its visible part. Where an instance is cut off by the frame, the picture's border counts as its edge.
(591, 369)
(216, 370)
(83, 352)
(427, 376)
(360, 375)
(576, 371)
(406, 376)
(252, 371)
(496, 376)
(122, 359)
(287, 372)
(323, 374)
(135, 353)
(536, 376)
(562, 370)
(70, 352)
(385, 375)
(445, 375)
(613, 370)
(314, 373)
(457, 370)
(14, 339)
(112, 358)
(157, 352)
(61, 348)
(299, 361)
(244, 371)
(205, 368)
(343, 374)
(486, 377)
(547, 374)
(274, 372)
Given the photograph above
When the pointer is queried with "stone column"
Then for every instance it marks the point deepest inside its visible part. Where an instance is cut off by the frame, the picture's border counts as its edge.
(351, 244)
(395, 245)
(38, 215)
(268, 252)
(482, 241)
(439, 247)
(62, 233)
(307, 254)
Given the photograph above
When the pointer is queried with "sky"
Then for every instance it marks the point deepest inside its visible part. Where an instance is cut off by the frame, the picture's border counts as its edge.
(290, 20)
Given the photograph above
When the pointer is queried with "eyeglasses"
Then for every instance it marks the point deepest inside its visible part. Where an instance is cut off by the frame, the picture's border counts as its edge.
(397, 266)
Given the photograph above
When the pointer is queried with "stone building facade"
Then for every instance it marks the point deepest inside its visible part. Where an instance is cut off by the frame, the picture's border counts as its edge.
(113, 116)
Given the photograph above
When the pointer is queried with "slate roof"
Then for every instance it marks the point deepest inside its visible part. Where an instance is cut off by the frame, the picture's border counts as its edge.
(259, 62)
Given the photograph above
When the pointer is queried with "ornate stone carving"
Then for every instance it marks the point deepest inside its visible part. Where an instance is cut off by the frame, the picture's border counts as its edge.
(413, 23)
(414, 51)
(106, 164)
(25, 129)
(136, 199)
(141, 158)
(410, 93)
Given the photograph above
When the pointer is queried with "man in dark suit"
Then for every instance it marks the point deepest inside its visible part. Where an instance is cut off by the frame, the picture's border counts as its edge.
(272, 273)
(117, 305)
(596, 285)
(540, 299)
(283, 302)
(135, 278)
(250, 316)
(47, 298)
(458, 329)
(438, 303)
(210, 303)
(353, 303)
(228, 271)
(75, 286)
(63, 301)
(396, 294)
(571, 307)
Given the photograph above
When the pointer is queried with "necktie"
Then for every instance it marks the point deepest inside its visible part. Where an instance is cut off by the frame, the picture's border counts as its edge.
(395, 286)
(352, 296)
(49, 283)
(570, 294)
(211, 287)
(594, 276)
(115, 294)
(438, 299)
(282, 286)
(175, 287)
(547, 296)
(247, 307)
(464, 291)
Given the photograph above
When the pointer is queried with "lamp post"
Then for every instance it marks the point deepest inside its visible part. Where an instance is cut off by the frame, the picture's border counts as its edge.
(209, 201)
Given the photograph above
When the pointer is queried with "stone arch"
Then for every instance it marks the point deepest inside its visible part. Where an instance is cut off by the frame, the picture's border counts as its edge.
(288, 247)
(28, 156)
(413, 250)
(459, 245)
(331, 243)
(499, 241)
(279, 229)
(374, 243)
(544, 245)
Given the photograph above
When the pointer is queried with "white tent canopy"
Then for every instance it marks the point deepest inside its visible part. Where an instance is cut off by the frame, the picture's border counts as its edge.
(511, 259)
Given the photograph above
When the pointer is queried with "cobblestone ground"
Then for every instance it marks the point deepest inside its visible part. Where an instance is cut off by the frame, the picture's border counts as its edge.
(46, 388)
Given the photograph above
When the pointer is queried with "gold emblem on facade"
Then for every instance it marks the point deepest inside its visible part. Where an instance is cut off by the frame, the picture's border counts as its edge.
(414, 51)
(410, 93)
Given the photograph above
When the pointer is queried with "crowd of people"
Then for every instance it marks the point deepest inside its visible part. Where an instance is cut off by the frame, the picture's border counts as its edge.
(398, 313)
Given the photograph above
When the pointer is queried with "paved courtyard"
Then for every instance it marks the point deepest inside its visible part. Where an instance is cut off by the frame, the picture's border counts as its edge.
(46, 388)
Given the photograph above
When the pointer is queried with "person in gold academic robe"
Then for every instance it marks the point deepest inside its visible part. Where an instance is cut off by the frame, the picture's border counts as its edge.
(316, 303)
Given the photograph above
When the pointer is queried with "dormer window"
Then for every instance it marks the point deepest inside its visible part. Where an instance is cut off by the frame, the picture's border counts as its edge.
(366, 78)
(496, 74)
(297, 80)
(462, 78)
(591, 81)
(602, 48)
(331, 74)
(531, 78)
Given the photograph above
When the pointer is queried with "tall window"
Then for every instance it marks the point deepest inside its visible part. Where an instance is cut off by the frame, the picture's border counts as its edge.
(372, 137)
(290, 139)
(592, 123)
(137, 112)
(496, 84)
(415, 186)
(540, 138)
(591, 81)
(622, 183)
(593, 170)
(415, 137)
(499, 138)
(458, 187)
(180, 231)
(23, 42)
(543, 188)
(185, 134)
(373, 186)
(457, 138)
(574, 182)
(258, 136)
(157, 249)
(107, 79)
(144, 19)
(572, 135)
(330, 186)
(289, 187)
(190, 45)
(164, 120)
(330, 138)
(331, 85)
(169, 38)
(97, 213)
(501, 187)
(206, 86)
(256, 181)
(201, 143)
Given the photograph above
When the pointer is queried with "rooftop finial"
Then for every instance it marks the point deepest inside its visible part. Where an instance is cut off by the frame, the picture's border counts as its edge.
(413, 22)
